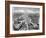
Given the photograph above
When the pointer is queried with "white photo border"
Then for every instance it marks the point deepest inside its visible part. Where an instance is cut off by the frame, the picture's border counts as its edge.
(31, 31)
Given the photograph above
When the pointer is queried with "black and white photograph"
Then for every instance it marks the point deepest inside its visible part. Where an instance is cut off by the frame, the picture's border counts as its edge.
(25, 18)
